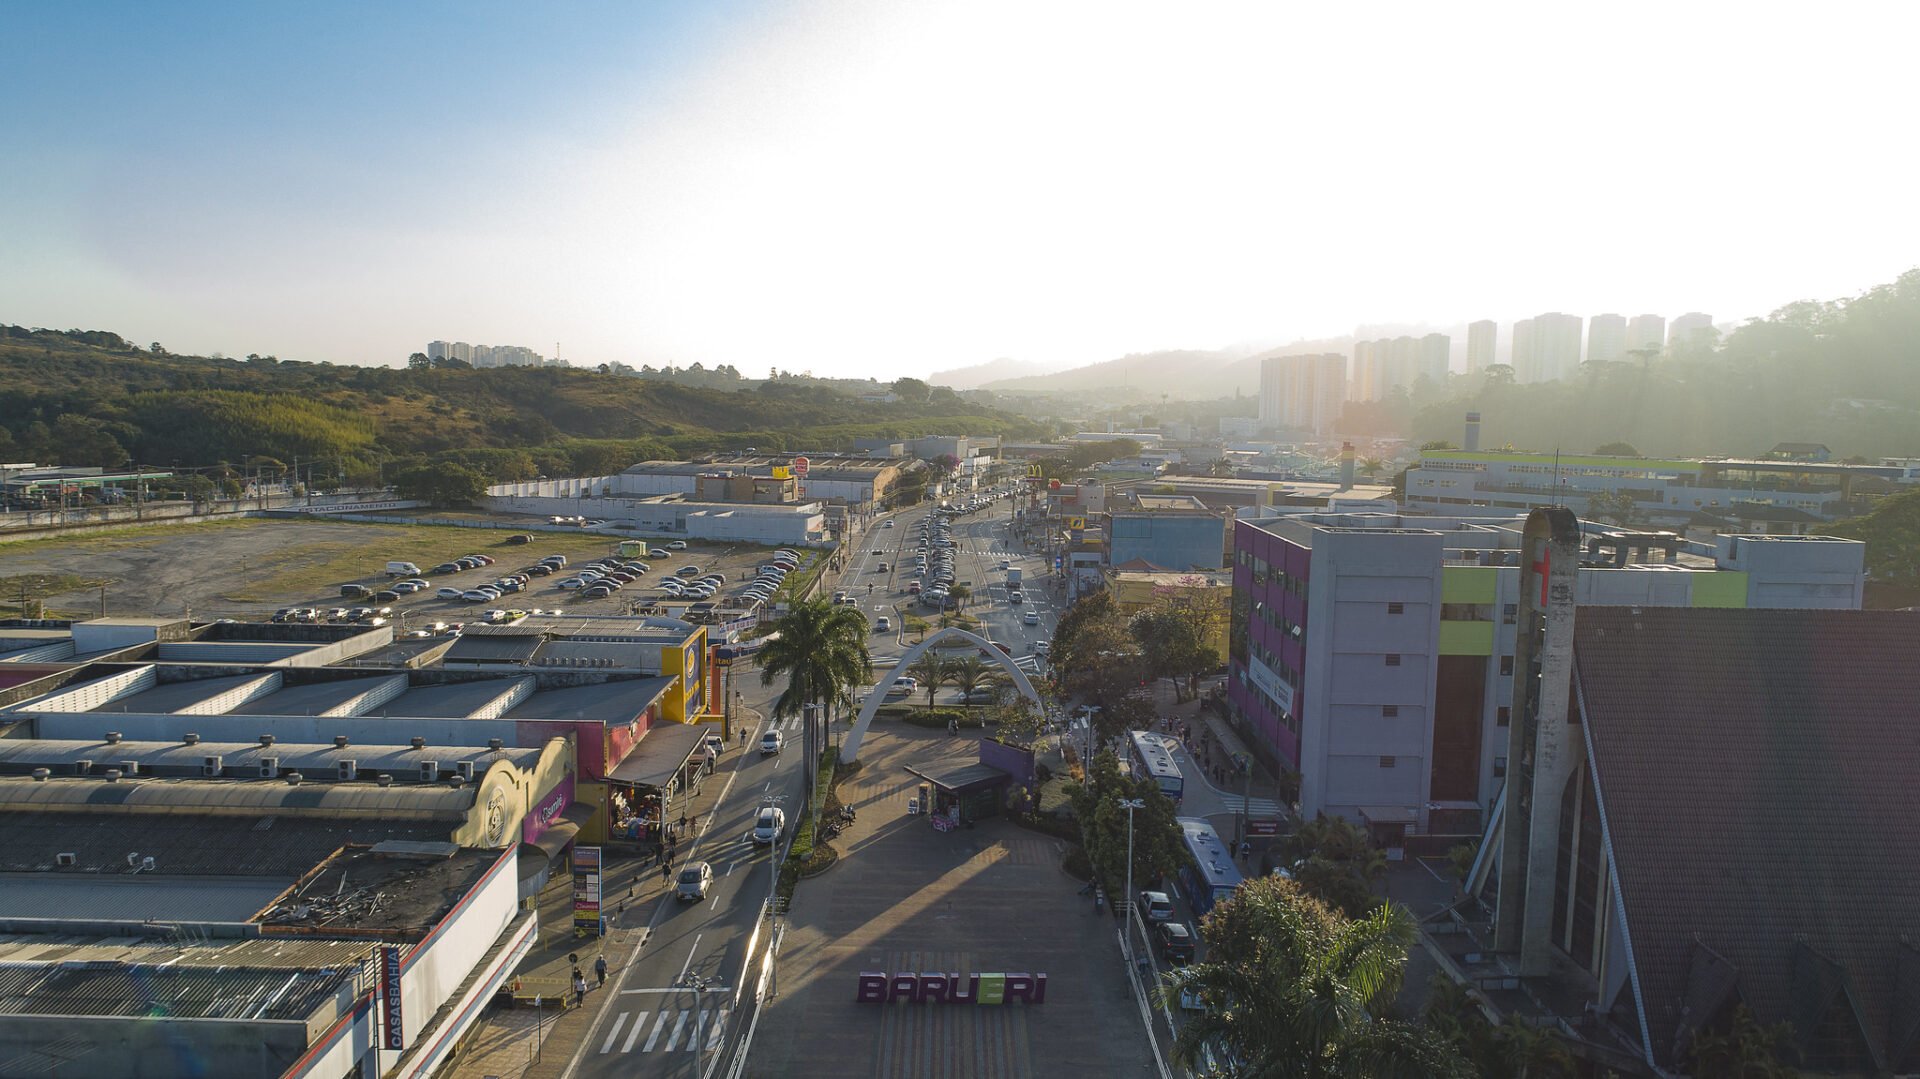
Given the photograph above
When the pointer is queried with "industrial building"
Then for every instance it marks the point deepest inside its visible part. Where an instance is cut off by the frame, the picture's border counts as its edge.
(1374, 653)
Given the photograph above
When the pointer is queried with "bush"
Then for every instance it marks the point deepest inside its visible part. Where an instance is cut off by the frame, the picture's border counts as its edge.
(939, 717)
(1076, 864)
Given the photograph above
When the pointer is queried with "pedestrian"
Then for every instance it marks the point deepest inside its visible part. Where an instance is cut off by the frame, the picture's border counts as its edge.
(579, 988)
(600, 969)
(683, 821)
(666, 871)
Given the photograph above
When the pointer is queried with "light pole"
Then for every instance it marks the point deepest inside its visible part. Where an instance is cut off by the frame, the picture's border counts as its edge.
(1130, 804)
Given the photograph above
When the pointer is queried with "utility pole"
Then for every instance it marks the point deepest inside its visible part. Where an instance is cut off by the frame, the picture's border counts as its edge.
(1130, 804)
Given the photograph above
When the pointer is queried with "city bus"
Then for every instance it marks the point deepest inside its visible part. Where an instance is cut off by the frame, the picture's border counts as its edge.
(727, 653)
(1211, 875)
(1152, 756)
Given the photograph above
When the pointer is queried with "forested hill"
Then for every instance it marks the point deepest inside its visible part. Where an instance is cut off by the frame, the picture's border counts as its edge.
(90, 398)
(1846, 374)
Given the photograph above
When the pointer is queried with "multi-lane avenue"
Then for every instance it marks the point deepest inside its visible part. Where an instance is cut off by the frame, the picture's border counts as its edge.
(680, 1000)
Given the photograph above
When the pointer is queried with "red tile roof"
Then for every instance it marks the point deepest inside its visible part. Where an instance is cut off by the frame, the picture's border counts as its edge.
(1757, 772)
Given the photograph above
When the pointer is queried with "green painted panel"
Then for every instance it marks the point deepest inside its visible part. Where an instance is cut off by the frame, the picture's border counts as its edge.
(1721, 588)
(1469, 584)
(1466, 638)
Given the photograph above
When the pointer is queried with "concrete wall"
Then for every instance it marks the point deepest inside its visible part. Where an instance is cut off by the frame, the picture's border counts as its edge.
(1177, 542)
(434, 968)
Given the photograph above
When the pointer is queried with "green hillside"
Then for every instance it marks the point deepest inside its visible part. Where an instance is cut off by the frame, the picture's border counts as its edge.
(91, 398)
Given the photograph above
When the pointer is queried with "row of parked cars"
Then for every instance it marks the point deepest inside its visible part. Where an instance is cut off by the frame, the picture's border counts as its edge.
(769, 575)
(602, 577)
(507, 584)
(936, 543)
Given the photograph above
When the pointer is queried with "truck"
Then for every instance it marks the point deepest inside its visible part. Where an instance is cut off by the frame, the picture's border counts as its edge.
(1013, 579)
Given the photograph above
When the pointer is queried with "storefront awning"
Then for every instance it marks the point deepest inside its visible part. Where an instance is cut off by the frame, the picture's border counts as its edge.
(562, 830)
(657, 757)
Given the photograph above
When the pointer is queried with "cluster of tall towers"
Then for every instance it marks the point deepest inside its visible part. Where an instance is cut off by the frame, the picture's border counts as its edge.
(1306, 393)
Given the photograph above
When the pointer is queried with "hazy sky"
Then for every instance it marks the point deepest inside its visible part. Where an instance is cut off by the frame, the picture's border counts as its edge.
(894, 186)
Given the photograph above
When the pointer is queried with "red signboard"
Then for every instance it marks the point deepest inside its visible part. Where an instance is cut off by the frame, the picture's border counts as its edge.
(800, 466)
(1263, 827)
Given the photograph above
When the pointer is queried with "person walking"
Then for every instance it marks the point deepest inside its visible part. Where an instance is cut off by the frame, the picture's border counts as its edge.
(666, 871)
(600, 968)
(579, 988)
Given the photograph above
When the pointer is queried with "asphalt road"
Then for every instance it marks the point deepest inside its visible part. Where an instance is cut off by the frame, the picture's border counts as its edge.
(656, 1022)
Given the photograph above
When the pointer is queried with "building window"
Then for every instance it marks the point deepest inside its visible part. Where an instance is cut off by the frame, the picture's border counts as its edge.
(1396, 608)
(1506, 665)
(1509, 614)
(1503, 716)
(1499, 767)
(1388, 711)
(1386, 762)
(1393, 659)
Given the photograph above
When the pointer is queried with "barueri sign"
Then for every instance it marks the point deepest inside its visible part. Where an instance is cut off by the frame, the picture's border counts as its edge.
(878, 988)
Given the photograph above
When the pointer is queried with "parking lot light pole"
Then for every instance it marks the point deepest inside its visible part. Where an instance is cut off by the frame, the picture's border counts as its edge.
(1130, 804)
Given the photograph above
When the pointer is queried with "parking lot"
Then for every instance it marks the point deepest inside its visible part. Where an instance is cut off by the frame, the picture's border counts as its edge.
(248, 569)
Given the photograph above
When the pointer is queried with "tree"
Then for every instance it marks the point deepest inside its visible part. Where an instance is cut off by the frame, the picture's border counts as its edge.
(1302, 990)
(1335, 861)
(912, 389)
(1173, 644)
(969, 673)
(1371, 467)
(944, 464)
(1159, 849)
(1220, 468)
(444, 484)
(1438, 444)
(1745, 1050)
(156, 349)
(821, 650)
(930, 670)
(1616, 506)
(1515, 1049)
(416, 362)
(83, 440)
(1499, 374)
(961, 593)
(1616, 449)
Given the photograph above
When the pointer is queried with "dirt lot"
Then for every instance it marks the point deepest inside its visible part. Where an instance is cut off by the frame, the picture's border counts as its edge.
(248, 568)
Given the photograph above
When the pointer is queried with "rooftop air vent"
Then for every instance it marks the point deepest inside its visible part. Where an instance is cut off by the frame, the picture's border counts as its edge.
(266, 739)
(294, 778)
(66, 858)
(113, 738)
(113, 775)
(40, 774)
(494, 744)
(456, 781)
(190, 738)
(339, 741)
(417, 742)
(384, 779)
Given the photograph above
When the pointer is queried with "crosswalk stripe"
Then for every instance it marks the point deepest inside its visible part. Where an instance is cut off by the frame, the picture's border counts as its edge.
(614, 1034)
(639, 1021)
(655, 1036)
(719, 1021)
(679, 1024)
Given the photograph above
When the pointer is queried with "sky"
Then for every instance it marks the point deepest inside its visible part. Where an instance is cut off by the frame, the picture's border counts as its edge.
(895, 187)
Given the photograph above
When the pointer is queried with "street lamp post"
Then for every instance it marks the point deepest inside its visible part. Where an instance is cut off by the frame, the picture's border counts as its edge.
(1130, 804)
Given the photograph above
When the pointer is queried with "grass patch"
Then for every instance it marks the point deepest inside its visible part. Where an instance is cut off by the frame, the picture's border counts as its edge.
(128, 536)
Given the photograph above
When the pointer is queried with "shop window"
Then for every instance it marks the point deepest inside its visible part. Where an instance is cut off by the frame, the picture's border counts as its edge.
(1393, 659)
(1389, 711)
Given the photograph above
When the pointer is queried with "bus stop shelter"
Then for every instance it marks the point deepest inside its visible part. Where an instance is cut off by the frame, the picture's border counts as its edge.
(957, 794)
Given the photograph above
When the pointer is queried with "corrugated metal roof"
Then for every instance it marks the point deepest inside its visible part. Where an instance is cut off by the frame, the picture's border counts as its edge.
(173, 696)
(455, 701)
(658, 755)
(136, 897)
(513, 648)
(242, 759)
(313, 699)
(416, 802)
(174, 992)
(192, 843)
(610, 702)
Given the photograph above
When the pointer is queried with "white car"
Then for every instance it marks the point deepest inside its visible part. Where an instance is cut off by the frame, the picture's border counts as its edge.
(448, 593)
(477, 596)
(677, 545)
(1031, 618)
(693, 882)
(769, 743)
(902, 687)
(770, 825)
(889, 523)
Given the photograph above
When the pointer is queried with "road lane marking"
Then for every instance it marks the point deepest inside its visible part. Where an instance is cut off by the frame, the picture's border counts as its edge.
(614, 1034)
(688, 965)
(655, 1036)
(719, 1021)
(639, 1023)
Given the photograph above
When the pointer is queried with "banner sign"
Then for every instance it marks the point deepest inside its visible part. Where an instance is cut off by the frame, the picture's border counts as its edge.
(878, 988)
(1263, 827)
(800, 466)
(586, 888)
(395, 1034)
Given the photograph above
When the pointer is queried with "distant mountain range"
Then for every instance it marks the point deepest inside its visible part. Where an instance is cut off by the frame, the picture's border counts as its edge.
(979, 374)
(1181, 374)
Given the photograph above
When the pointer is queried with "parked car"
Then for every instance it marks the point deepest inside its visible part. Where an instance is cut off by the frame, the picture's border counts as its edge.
(1156, 906)
(448, 593)
(656, 552)
(448, 567)
(694, 882)
(475, 595)
(902, 687)
(355, 591)
(387, 596)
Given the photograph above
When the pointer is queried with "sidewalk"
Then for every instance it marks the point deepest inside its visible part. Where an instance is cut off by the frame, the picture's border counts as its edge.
(527, 1042)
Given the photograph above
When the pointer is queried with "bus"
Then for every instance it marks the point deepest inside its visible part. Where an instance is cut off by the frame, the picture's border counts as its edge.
(1152, 756)
(1211, 875)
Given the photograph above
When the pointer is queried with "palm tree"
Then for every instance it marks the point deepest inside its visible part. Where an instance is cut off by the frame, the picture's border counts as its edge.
(969, 673)
(931, 670)
(1300, 989)
(961, 593)
(1372, 466)
(822, 651)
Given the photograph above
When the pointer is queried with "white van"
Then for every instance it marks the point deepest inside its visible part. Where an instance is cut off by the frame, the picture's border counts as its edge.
(402, 569)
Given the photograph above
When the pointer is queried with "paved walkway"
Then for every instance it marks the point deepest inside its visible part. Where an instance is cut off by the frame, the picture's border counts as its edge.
(906, 898)
(528, 1042)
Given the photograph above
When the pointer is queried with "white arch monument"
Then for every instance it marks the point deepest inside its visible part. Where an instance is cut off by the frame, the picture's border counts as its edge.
(850, 747)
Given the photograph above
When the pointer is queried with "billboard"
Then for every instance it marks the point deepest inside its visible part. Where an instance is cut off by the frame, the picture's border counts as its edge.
(586, 889)
(800, 465)
(393, 1034)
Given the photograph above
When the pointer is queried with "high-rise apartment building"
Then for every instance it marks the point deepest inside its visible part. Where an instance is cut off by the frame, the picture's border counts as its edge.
(1606, 338)
(1521, 359)
(1303, 393)
(487, 355)
(1646, 331)
(1367, 382)
(1436, 354)
(1403, 361)
(1482, 336)
(439, 350)
(463, 352)
(1555, 348)
(1692, 328)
